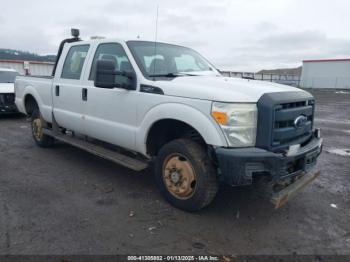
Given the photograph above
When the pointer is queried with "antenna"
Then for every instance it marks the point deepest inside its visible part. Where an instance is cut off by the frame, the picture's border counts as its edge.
(155, 42)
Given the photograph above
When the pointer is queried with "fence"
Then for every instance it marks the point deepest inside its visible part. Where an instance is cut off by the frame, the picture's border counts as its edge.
(293, 80)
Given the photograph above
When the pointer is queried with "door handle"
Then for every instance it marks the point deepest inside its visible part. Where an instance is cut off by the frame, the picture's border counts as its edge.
(84, 94)
(57, 90)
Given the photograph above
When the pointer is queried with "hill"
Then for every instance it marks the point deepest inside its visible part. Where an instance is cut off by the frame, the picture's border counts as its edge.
(282, 71)
(10, 54)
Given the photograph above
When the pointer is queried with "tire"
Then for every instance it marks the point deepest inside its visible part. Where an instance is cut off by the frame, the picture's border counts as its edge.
(37, 125)
(185, 175)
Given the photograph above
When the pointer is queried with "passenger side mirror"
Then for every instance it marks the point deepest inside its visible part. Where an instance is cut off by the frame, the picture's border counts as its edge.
(106, 76)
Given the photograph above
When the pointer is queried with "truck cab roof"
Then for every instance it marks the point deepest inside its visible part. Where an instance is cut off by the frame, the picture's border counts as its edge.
(118, 40)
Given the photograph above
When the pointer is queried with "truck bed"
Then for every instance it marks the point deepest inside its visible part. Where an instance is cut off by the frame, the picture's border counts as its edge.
(40, 88)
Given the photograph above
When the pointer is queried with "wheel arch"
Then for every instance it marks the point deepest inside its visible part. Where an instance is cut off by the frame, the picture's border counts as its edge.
(166, 130)
(31, 94)
(30, 104)
(184, 115)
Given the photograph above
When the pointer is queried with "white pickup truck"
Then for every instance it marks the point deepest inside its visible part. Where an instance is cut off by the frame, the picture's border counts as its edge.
(138, 102)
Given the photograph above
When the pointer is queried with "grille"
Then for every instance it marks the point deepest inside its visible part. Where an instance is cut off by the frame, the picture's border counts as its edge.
(284, 130)
(276, 116)
(7, 99)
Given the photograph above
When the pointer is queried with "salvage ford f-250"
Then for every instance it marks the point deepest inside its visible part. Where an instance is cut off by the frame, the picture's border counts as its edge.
(138, 102)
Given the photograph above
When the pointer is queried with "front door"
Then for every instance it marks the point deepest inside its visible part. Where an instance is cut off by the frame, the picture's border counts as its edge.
(110, 114)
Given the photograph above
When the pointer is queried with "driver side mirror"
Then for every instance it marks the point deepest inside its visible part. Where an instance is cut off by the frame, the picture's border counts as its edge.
(106, 76)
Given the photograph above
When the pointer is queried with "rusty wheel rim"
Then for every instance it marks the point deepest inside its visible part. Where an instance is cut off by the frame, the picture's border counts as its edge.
(37, 129)
(179, 176)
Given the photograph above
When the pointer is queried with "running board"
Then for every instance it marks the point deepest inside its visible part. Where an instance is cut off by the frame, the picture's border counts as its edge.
(116, 157)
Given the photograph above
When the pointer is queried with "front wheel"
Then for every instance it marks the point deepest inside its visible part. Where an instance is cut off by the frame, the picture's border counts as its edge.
(38, 124)
(186, 175)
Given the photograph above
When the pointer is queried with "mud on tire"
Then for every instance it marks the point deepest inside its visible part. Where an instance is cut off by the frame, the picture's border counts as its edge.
(185, 175)
(37, 125)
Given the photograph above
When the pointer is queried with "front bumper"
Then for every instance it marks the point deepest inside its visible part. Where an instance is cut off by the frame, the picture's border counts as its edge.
(7, 104)
(281, 197)
(8, 109)
(238, 166)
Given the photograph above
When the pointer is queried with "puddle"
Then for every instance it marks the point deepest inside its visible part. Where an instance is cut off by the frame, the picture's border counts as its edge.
(339, 151)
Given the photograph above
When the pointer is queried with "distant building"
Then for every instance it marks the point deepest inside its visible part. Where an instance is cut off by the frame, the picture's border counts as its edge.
(28, 67)
(326, 73)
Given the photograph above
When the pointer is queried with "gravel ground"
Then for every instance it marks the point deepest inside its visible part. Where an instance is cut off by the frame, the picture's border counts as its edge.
(65, 201)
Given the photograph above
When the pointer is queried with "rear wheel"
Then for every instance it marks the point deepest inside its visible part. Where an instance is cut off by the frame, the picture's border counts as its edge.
(38, 125)
(186, 175)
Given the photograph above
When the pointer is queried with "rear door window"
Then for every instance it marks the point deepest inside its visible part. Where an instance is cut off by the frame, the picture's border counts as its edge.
(73, 65)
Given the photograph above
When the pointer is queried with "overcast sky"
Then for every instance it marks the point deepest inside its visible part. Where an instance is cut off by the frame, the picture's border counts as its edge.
(238, 35)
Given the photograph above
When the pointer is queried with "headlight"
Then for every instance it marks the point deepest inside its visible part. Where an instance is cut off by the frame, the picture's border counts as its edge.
(238, 122)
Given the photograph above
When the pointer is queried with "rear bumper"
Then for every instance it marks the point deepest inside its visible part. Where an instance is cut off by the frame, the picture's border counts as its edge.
(238, 166)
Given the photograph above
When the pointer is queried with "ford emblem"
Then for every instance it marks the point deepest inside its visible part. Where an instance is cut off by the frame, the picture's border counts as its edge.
(300, 121)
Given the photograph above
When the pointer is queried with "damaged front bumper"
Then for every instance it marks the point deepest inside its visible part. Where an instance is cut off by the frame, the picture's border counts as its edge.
(7, 104)
(238, 166)
(288, 172)
(281, 197)
(10, 109)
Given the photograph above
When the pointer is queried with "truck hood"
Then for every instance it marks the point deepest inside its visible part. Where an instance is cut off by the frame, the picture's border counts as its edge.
(222, 89)
(6, 88)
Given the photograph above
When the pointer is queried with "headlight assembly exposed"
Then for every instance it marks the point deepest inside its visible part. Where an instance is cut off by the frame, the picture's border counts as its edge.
(238, 122)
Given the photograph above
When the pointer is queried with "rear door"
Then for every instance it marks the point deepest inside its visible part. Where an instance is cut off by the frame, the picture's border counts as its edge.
(68, 89)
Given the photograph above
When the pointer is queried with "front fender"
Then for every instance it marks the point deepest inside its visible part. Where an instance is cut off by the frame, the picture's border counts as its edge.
(202, 123)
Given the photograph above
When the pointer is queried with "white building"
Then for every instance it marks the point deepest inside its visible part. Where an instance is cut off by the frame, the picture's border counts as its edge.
(28, 67)
(327, 73)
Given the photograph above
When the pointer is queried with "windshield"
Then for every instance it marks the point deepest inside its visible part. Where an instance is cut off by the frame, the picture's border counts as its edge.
(167, 60)
(8, 76)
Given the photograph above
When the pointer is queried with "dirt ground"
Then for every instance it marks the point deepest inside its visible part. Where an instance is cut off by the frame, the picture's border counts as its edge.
(65, 201)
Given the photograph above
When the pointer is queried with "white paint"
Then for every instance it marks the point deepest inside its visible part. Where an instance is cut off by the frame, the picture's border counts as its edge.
(123, 117)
